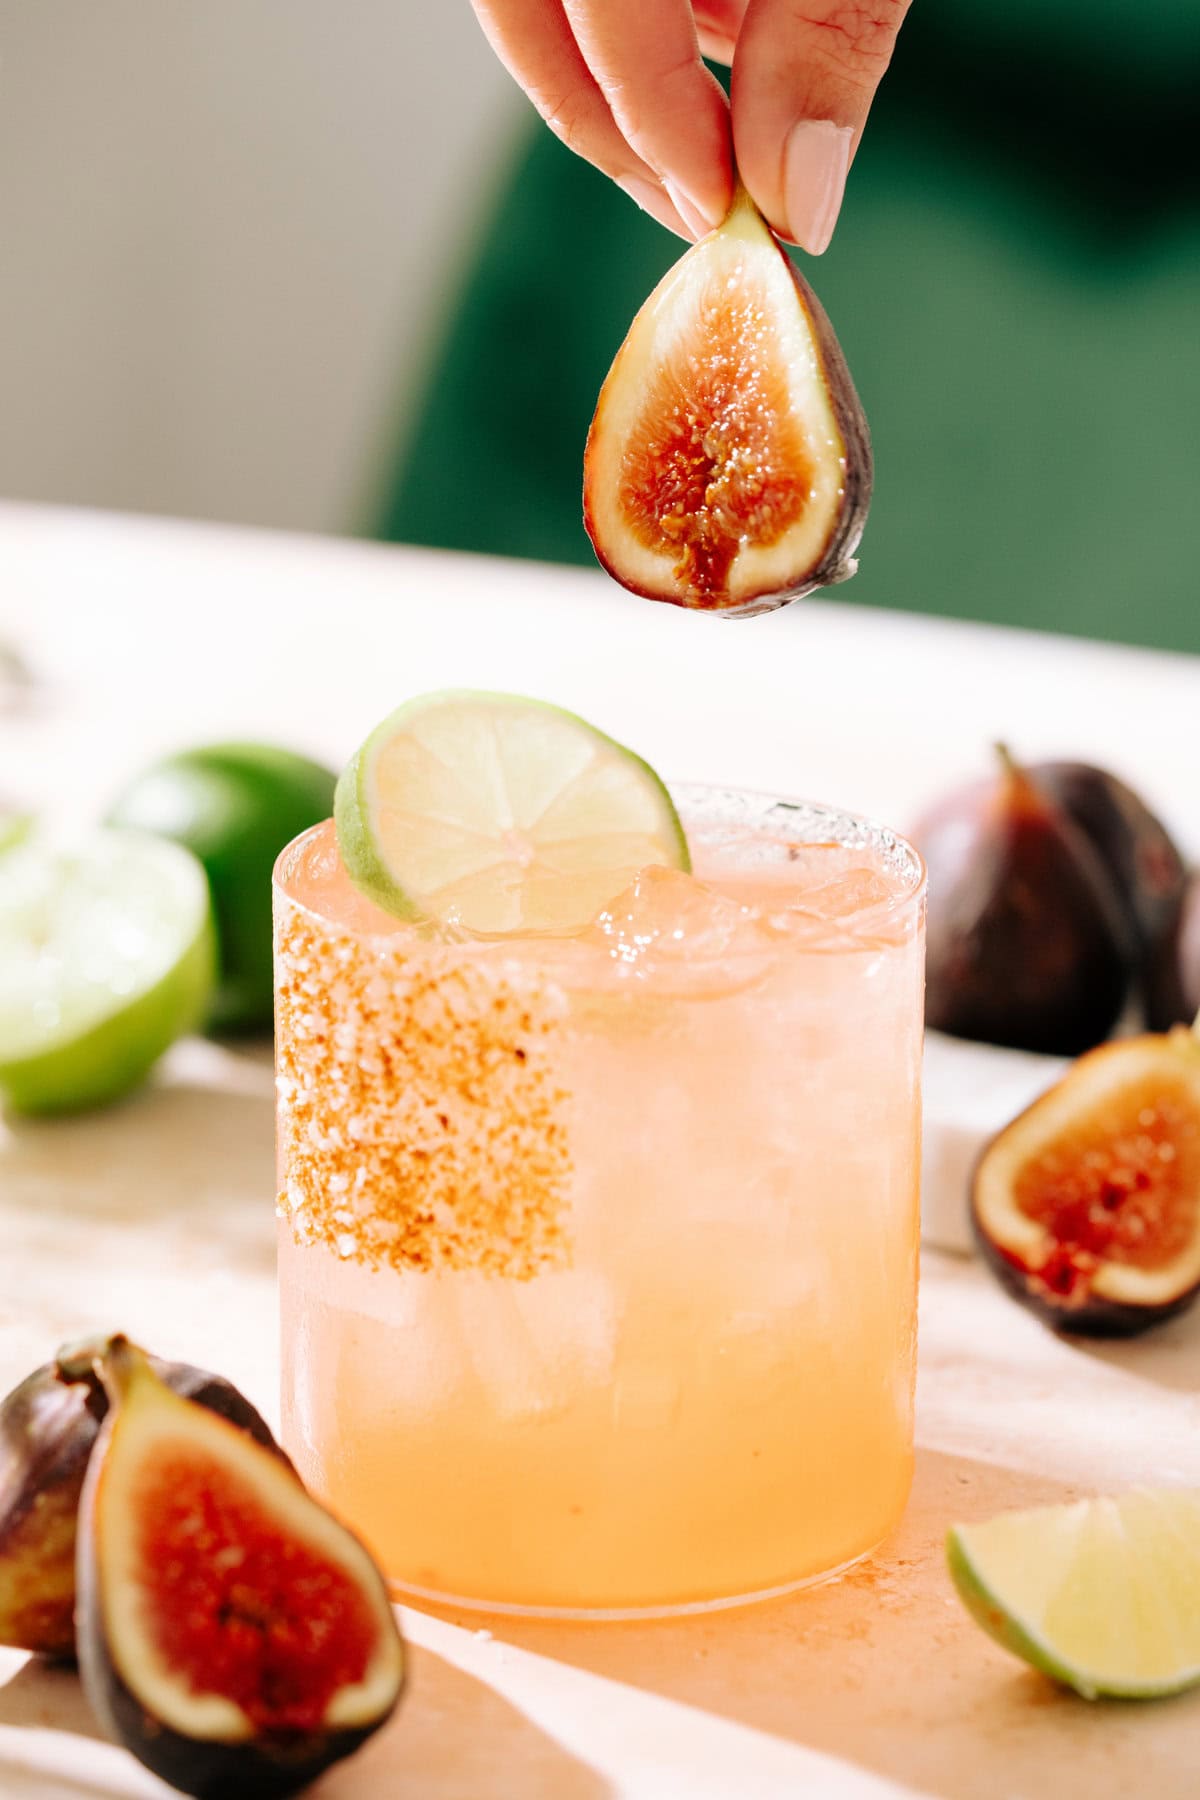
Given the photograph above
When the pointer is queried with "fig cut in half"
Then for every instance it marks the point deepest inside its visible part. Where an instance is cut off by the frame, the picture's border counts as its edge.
(232, 1634)
(728, 466)
(48, 1426)
(1088, 1205)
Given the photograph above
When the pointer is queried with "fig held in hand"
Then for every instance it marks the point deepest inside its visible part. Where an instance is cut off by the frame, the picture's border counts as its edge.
(728, 466)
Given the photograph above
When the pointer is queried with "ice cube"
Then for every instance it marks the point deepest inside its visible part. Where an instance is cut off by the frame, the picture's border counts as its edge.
(851, 892)
(677, 934)
(832, 914)
(535, 1346)
(671, 914)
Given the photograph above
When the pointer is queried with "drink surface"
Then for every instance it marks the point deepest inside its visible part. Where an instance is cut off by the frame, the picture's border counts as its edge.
(692, 1378)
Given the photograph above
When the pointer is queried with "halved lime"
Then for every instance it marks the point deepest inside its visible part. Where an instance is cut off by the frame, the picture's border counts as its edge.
(106, 957)
(500, 814)
(1103, 1595)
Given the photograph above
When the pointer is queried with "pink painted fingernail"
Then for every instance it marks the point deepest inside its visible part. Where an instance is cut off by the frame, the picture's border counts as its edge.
(696, 221)
(816, 157)
(650, 197)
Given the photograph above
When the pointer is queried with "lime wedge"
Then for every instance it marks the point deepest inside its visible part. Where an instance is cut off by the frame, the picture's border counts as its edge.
(106, 957)
(499, 814)
(1103, 1595)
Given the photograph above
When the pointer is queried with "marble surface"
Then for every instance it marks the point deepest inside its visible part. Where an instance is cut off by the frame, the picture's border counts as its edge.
(155, 1215)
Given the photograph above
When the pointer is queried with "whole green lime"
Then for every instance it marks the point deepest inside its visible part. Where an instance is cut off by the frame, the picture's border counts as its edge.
(235, 806)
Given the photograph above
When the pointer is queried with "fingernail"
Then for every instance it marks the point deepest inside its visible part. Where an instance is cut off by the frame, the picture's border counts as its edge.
(697, 222)
(816, 157)
(650, 197)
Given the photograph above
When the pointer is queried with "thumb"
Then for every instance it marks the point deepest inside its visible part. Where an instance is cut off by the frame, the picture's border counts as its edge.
(804, 75)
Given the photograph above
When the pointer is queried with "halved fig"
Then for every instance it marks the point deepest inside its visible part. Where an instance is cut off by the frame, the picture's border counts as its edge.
(1088, 1205)
(48, 1425)
(728, 466)
(1026, 942)
(232, 1634)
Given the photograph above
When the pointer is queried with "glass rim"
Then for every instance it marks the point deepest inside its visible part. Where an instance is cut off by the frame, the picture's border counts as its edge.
(792, 816)
(786, 815)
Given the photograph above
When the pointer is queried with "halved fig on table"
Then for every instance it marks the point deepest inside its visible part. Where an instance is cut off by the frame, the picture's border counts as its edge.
(1088, 1205)
(232, 1634)
(728, 466)
(48, 1425)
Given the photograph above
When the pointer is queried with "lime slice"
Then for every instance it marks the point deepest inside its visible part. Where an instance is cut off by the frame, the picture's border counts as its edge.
(500, 814)
(106, 957)
(235, 806)
(1103, 1595)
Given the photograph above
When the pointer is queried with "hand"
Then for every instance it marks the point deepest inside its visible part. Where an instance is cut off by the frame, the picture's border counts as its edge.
(622, 83)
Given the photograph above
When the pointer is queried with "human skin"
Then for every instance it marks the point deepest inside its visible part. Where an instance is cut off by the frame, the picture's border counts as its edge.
(622, 83)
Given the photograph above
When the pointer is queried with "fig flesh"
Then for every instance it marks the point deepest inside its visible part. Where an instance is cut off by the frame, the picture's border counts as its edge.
(234, 1636)
(1142, 860)
(48, 1425)
(1026, 943)
(728, 465)
(1088, 1205)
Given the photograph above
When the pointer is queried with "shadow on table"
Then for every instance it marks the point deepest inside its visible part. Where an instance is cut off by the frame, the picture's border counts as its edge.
(1168, 1355)
(452, 1736)
(200, 1155)
(885, 1670)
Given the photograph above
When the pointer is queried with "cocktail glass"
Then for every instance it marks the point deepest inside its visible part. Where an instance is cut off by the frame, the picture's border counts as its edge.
(598, 1254)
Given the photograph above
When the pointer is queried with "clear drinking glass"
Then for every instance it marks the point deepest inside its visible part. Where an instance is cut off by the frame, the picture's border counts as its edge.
(598, 1254)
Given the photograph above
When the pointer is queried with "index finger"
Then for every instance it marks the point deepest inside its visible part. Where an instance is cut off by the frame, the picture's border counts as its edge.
(645, 57)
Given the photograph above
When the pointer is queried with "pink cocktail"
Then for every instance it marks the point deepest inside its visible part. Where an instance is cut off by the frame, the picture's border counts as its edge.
(598, 1253)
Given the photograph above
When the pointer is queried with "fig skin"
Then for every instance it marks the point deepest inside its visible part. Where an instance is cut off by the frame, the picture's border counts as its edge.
(1026, 942)
(46, 1437)
(1173, 983)
(1076, 1304)
(834, 559)
(260, 1766)
(1142, 860)
(48, 1425)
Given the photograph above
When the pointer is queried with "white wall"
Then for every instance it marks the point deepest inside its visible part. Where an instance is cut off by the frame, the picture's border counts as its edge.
(224, 229)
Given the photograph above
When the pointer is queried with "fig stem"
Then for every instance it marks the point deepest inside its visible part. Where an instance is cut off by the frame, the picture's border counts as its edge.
(119, 1364)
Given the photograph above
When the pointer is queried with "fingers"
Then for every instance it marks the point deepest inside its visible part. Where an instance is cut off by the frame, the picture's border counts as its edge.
(803, 80)
(535, 43)
(717, 25)
(645, 57)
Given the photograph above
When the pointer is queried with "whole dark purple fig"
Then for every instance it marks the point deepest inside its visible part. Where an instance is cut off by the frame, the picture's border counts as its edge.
(48, 1426)
(1173, 982)
(1146, 868)
(1027, 944)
